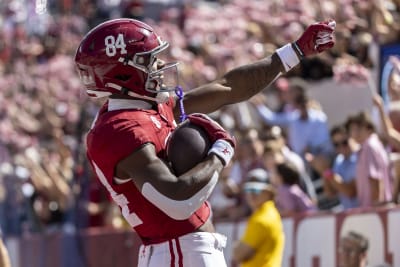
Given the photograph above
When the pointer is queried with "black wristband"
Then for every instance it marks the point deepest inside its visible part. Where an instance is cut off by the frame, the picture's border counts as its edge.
(298, 50)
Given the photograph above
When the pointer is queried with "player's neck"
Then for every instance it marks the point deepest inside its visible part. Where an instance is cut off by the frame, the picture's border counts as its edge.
(128, 103)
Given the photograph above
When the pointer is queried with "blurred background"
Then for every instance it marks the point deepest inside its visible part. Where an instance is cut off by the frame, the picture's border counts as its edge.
(53, 212)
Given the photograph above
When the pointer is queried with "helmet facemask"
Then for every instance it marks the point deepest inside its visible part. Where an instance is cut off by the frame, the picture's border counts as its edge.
(161, 77)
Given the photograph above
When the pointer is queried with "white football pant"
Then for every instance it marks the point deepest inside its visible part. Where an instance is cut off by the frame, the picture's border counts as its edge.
(198, 249)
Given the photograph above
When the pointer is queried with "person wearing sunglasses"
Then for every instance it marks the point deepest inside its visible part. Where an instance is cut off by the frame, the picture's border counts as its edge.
(339, 181)
(263, 240)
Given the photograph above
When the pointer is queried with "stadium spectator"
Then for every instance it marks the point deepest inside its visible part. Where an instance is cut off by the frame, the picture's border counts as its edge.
(296, 87)
(373, 182)
(353, 250)
(127, 142)
(339, 181)
(276, 145)
(308, 119)
(263, 240)
(284, 94)
(250, 155)
(290, 198)
(52, 196)
(393, 137)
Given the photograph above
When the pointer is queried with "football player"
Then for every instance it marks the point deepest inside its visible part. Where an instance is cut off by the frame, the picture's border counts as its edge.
(126, 145)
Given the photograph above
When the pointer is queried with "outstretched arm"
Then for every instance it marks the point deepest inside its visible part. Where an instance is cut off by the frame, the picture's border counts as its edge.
(235, 86)
(389, 131)
(241, 83)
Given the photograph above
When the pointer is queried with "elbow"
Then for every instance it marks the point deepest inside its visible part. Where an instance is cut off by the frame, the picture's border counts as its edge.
(176, 209)
(179, 209)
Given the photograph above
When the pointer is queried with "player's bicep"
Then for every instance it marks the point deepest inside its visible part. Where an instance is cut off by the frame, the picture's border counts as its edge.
(204, 99)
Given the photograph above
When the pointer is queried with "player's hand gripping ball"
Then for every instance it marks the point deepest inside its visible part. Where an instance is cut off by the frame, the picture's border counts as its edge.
(223, 144)
(187, 146)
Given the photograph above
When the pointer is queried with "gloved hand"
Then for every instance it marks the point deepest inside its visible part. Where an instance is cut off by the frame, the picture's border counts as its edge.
(316, 38)
(223, 143)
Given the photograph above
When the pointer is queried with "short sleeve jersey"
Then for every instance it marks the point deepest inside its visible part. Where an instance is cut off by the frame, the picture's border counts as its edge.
(264, 233)
(114, 136)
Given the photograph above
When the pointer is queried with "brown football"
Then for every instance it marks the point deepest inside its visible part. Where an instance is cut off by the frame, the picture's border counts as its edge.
(188, 145)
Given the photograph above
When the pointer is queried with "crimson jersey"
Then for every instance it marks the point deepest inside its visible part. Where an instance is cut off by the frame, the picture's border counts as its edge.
(115, 135)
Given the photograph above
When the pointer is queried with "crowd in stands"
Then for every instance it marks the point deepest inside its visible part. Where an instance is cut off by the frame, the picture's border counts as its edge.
(45, 181)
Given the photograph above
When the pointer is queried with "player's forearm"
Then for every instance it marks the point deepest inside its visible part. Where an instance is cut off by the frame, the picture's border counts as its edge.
(179, 197)
(197, 178)
(235, 86)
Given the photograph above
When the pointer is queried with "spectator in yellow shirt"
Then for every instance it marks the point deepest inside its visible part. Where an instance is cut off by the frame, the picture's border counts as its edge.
(263, 240)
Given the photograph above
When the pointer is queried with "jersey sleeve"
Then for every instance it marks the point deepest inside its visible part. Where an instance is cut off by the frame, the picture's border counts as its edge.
(254, 234)
(110, 143)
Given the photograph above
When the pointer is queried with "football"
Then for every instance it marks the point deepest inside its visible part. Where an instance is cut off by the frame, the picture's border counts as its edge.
(187, 146)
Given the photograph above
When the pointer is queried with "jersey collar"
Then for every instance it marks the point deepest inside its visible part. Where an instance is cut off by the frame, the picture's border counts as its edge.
(118, 104)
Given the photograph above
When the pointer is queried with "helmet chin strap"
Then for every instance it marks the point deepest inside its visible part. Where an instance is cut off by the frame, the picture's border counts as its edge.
(161, 97)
